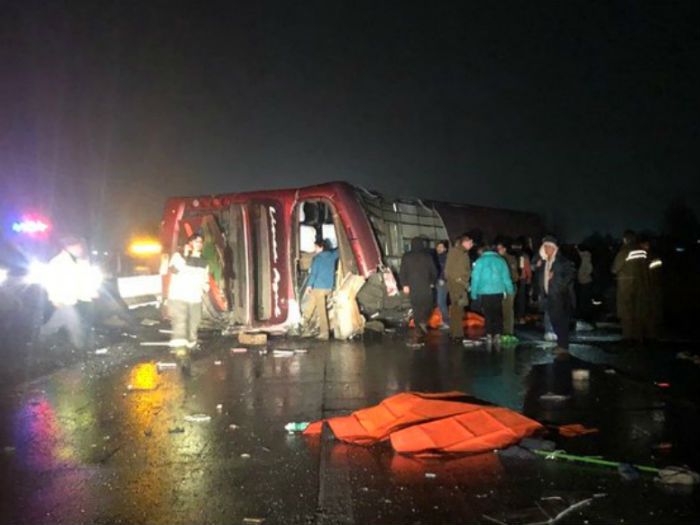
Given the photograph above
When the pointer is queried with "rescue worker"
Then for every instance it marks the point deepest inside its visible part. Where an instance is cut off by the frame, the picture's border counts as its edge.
(654, 322)
(557, 286)
(189, 281)
(491, 282)
(69, 282)
(417, 275)
(509, 299)
(458, 268)
(320, 286)
(631, 266)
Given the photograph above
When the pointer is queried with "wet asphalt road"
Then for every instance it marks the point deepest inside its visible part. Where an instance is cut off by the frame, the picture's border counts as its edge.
(106, 438)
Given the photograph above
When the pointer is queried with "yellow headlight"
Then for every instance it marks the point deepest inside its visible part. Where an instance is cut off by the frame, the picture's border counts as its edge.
(144, 248)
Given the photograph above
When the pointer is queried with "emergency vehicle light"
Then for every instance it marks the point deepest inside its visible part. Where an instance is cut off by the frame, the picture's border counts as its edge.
(30, 226)
(143, 248)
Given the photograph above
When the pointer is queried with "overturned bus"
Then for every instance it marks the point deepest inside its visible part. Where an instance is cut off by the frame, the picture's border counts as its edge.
(259, 247)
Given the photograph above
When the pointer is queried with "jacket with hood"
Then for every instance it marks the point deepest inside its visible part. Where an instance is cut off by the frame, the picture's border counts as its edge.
(560, 287)
(491, 276)
(418, 269)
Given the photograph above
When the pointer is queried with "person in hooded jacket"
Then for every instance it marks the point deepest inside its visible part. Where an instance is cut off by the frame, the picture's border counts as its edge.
(417, 275)
(491, 282)
(557, 275)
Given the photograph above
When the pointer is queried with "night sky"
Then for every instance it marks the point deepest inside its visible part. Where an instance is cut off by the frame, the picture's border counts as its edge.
(584, 111)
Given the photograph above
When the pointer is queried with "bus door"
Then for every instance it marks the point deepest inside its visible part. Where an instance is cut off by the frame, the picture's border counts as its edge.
(267, 259)
(316, 219)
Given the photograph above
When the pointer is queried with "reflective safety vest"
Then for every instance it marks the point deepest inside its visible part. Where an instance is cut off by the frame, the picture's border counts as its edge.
(636, 254)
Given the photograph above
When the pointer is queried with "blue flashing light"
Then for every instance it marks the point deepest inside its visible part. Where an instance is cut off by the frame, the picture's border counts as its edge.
(30, 226)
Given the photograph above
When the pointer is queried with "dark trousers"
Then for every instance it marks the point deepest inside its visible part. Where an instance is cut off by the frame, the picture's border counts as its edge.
(493, 313)
(422, 304)
(521, 300)
(559, 311)
(584, 298)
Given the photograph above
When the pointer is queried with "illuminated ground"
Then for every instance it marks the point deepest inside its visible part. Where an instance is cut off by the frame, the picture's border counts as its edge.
(104, 438)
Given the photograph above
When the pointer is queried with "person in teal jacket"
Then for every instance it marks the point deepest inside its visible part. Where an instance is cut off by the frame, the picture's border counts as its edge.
(491, 281)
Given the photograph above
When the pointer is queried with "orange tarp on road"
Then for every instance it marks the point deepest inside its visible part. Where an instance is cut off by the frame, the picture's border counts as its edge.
(369, 425)
(428, 424)
(478, 429)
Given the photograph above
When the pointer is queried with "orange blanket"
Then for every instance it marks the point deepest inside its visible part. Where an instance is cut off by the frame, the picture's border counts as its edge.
(430, 424)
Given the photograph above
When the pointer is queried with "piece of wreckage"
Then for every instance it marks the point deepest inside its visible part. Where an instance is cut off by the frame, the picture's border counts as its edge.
(259, 246)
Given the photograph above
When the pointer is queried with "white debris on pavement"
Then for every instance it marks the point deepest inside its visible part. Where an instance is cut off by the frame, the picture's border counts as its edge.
(197, 418)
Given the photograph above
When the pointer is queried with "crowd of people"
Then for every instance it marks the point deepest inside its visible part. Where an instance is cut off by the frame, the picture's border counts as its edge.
(502, 281)
(509, 278)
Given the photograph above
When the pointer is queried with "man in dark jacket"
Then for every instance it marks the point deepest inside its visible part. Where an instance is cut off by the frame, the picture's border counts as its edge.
(417, 275)
(458, 269)
(557, 284)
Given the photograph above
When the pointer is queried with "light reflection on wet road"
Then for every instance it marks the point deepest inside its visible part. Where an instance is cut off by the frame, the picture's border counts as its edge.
(116, 447)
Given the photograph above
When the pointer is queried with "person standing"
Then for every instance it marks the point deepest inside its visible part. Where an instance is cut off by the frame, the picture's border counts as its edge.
(70, 282)
(491, 282)
(458, 268)
(509, 299)
(522, 294)
(320, 286)
(654, 323)
(557, 275)
(189, 281)
(631, 266)
(441, 284)
(417, 275)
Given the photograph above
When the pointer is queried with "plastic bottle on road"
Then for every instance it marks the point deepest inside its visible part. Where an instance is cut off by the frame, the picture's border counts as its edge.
(298, 426)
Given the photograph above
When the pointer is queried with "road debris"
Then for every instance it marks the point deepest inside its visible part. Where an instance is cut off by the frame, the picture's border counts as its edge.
(254, 339)
(628, 472)
(678, 476)
(101, 351)
(233, 426)
(299, 426)
(197, 418)
(574, 430)
(166, 365)
(553, 398)
(245, 455)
